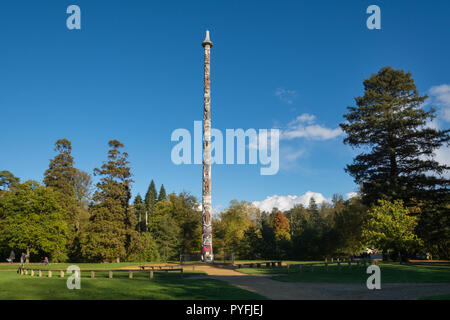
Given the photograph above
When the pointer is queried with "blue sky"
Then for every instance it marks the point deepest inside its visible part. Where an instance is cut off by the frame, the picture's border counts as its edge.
(134, 72)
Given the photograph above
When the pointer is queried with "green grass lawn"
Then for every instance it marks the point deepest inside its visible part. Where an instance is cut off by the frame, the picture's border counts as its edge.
(390, 273)
(162, 287)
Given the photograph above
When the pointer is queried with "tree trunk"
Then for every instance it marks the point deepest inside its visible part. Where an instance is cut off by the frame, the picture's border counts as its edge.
(146, 221)
(139, 224)
(28, 256)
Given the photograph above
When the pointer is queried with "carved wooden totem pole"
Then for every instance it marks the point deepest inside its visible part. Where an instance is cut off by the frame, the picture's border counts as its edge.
(207, 252)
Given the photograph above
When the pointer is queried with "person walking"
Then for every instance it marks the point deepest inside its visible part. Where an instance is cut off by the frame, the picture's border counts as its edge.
(12, 256)
(23, 258)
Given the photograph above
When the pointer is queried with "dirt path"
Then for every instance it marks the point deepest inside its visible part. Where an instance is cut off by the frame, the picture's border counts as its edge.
(277, 290)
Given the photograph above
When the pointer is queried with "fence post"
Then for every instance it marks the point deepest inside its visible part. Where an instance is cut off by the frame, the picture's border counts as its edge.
(287, 268)
(49, 273)
(40, 273)
(32, 272)
(61, 274)
(130, 275)
(92, 274)
(151, 274)
(110, 274)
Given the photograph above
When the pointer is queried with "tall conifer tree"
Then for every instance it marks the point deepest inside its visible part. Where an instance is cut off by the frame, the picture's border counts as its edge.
(389, 122)
(112, 222)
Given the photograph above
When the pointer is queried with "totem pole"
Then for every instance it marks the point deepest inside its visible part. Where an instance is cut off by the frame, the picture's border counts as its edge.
(207, 253)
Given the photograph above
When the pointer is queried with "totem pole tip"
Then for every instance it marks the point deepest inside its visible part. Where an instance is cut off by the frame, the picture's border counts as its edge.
(207, 40)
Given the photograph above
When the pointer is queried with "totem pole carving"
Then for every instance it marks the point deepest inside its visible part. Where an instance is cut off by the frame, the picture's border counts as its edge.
(207, 252)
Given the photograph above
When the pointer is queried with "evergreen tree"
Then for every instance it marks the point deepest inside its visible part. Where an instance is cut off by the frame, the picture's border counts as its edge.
(61, 174)
(390, 123)
(151, 196)
(112, 224)
(139, 209)
(162, 193)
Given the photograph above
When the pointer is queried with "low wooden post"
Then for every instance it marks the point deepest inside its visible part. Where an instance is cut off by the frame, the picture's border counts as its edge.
(49, 273)
(26, 272)
(332, 260)
(92, 274)
(287, 268)
(40, 273)
(110, 274)
(61, 274)
(151, 274)
(32, 272)
(130, 275)
(311, 267)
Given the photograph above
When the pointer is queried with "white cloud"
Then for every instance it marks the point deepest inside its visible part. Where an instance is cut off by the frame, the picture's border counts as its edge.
(289, 157)
(284, 203)
(351, 195)
(304, 127)
(441, 97)
(442, 156)
(285, 95)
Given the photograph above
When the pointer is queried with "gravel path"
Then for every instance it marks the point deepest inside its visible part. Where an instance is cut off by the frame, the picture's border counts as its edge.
(277, 290)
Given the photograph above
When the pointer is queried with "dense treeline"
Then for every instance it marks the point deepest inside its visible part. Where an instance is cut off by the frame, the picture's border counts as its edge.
(65, 221)
(402, 207)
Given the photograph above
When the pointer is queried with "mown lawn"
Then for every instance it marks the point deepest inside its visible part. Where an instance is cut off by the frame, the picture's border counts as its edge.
(390, 273)
(162, 287)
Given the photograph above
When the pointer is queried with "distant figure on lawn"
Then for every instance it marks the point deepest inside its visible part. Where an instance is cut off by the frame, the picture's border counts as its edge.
(12, 256)
(23, 259)
(46, 261)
